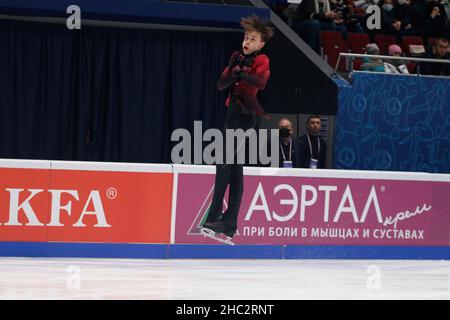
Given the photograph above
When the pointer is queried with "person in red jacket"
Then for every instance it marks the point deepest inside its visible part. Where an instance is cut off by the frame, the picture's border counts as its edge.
(246, 73)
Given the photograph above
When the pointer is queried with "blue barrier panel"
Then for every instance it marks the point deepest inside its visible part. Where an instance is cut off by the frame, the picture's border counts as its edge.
(83, 250)
(164, 251)
(137, 11)
(393, 123)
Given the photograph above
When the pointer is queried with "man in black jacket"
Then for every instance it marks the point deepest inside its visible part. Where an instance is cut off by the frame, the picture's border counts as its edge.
(308, 24)
(311, 147)
(438, 51)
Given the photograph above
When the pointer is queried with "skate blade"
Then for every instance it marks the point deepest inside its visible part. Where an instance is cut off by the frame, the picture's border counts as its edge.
(212, 235)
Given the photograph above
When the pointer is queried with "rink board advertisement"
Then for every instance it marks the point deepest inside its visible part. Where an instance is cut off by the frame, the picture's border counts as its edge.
(297, 208)
(82, 202)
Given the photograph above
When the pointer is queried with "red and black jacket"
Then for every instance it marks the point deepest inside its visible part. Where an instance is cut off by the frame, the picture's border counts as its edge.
(245, 84)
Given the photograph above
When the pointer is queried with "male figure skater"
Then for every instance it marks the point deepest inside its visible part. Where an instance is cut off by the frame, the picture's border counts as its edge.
(246, 73)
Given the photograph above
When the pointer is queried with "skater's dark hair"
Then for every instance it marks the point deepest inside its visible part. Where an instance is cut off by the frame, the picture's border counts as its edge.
(255, 23)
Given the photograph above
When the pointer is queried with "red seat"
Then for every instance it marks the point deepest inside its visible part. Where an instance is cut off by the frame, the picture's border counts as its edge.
(332, 44)
(360, 11)
(357, 42)
(383, 42)
(410, 40)
(432, 41)
(357, 64)
(411, 66)
(330, 36)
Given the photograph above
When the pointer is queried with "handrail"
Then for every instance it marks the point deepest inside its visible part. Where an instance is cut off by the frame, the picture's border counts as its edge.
(359, 55)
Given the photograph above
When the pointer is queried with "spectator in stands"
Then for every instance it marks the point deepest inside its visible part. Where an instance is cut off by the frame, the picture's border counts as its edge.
(289, 157)
(446, 6)
(390, 24)
(305, 25)
(346, 15)
(419, 16)
(429, 18)
(320, 11)
(403, 13)
(329, 19)
(364, 4)
(438, 51)
(394, 65)
(447, 28)
(436, 19)
(311, 147)
(279, 6)
(372, 64)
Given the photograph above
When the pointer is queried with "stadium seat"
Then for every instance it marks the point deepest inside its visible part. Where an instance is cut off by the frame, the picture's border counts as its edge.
(411, 66)
(432, 41)
(360, 11)
(384, 41)
(332, 44)
(357, 64)
(407, 41)
(357, 42)
(330, 36)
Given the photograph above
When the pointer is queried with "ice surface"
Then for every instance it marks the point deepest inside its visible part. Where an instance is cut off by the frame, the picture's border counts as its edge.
(37, 278)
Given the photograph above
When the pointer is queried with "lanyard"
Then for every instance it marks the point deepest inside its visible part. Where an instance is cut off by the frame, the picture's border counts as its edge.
(310, 146)
(290, 151)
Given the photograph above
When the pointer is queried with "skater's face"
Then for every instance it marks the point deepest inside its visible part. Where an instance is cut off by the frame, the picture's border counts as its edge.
(252, 42)
(313, 126)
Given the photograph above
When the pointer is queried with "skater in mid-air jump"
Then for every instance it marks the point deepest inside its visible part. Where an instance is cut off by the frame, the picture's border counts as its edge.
(246, 73)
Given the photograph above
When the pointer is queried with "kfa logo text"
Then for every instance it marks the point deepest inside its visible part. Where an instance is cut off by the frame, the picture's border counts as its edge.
(93, 206)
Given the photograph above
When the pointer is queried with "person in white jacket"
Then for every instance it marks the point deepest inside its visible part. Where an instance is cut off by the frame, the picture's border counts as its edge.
(394, 65)
(365, 3)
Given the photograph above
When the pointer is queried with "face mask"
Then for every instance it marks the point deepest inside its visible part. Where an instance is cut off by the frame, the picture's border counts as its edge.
(284, 132)
(388, 7)
(401, 2)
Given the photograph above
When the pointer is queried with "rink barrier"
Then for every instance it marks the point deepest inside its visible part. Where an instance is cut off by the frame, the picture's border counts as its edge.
(156, 209)
(171, 251)
(85, 202)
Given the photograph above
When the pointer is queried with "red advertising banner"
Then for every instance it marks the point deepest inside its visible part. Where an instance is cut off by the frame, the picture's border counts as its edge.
(85, 202)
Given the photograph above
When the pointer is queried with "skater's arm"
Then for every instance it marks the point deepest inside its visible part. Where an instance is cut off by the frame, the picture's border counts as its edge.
(229, 75)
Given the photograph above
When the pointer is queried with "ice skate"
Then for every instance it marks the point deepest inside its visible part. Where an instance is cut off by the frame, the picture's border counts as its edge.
(212, 235)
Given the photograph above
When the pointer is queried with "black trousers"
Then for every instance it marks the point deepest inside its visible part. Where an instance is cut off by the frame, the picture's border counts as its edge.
(231, 174)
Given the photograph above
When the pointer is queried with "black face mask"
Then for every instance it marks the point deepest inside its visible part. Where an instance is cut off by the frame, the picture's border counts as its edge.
(284, 132)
